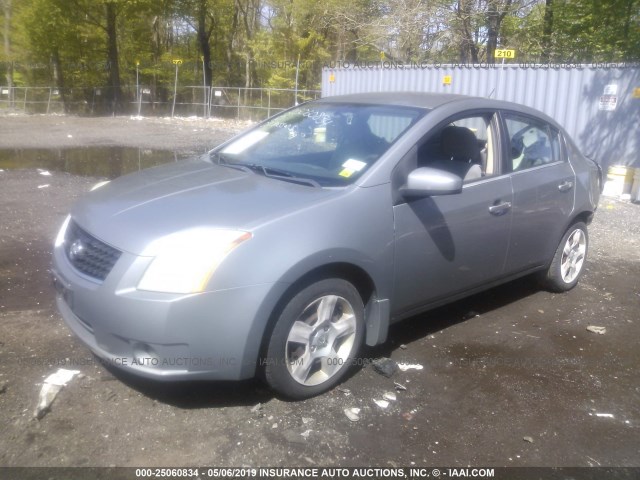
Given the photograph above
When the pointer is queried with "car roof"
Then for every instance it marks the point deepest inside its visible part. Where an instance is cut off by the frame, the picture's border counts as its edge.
(410, 99)
(430, 101)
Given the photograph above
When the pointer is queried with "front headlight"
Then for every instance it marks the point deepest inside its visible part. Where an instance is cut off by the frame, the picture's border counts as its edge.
(185, 261)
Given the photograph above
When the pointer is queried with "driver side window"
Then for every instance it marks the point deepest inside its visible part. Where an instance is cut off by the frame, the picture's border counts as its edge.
(464, 147)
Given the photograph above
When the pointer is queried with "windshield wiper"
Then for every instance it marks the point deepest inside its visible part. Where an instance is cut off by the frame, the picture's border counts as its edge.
(298, 180)
(266, 171)
(220, 160)
(281, 174)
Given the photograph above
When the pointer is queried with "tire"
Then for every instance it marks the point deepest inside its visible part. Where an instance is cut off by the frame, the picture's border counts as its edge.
(568, 261)
(315, 339)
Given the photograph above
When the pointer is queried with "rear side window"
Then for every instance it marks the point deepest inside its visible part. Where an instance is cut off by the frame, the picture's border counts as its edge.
(532, 142)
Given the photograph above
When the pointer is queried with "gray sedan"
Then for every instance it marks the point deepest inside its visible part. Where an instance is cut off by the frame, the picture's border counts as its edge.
(285, 249)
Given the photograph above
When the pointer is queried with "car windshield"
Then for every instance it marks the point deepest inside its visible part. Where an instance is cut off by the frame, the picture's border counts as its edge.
(319, 143)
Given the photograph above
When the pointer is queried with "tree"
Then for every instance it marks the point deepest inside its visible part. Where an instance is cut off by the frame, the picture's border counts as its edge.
(467, 23)
(290, 40)
(250, 15)
(590, 30)
(73, 43)
(547, 30)
(7, 7)
(111, 14)
(199, 15)
(105, 17)
(46, 41)
(496, 11)
(576, 31)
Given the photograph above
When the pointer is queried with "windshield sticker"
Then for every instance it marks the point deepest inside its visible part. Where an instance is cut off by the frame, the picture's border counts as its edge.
(346, 173)
(245, 142)
(353, 164)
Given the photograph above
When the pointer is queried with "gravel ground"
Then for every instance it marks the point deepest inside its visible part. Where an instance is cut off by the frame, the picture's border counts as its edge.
(188, 135)
(511, 377)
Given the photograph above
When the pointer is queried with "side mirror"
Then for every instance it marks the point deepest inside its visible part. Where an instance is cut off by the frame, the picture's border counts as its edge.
(425, 182)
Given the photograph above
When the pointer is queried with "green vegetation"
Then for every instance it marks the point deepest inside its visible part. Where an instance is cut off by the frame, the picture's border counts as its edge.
(259, 43)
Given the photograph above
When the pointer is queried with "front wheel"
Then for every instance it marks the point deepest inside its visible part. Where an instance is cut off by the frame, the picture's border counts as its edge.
(315, 339)
(568, 262)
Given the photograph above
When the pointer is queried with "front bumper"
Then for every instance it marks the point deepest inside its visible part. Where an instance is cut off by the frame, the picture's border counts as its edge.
(206, 336)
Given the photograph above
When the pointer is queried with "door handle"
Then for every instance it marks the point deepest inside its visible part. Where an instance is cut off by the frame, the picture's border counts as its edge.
(500, 209)
(565, 186)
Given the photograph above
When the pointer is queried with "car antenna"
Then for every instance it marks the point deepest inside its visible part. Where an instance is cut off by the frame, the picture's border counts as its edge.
(491, 93)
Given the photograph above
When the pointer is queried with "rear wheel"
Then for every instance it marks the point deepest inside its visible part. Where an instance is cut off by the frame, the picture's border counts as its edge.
(568, 262)
(315, 339)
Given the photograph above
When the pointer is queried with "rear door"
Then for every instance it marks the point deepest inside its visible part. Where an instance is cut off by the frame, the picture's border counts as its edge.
(543, 190)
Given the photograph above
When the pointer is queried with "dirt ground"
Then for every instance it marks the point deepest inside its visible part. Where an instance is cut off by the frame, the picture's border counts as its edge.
(511, 377)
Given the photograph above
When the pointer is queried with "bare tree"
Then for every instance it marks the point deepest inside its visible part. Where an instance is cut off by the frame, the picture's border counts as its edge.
(411, 29)
(465, 13)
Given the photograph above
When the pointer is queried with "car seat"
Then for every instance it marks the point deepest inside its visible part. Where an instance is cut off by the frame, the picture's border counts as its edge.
(358, 142)
(460, 147)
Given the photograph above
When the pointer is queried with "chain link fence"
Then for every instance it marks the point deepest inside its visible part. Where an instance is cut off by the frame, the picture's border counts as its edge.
(230, 102)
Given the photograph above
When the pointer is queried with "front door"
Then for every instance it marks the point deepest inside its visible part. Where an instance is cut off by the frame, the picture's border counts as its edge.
(448, 244)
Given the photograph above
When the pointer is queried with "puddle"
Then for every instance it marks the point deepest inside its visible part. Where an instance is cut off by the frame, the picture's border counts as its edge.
(110, 162)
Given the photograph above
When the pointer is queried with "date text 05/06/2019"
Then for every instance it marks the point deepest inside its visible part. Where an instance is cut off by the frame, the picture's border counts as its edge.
(316, 472)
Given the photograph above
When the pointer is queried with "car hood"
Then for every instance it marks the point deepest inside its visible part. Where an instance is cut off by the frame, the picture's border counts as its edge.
(130, 212)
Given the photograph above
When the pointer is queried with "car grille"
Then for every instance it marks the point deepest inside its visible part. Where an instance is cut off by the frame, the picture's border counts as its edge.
(88, 254)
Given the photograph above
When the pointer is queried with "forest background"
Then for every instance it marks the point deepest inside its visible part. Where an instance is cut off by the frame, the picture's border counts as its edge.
(75, 44)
